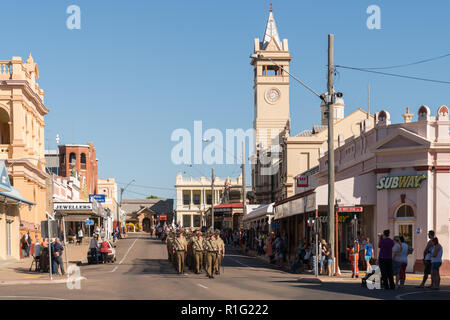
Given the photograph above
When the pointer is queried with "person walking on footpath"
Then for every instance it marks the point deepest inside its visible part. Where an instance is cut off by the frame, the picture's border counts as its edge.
(385, 245)
(80, 235)
(405, 252)
(436, 262)
(24, 246)
(427, 259)
(93, 247)
(397, 259)
(368, 254)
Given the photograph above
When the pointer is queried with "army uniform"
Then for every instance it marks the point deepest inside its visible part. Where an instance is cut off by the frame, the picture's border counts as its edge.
(169, 243)
(221, 246)
(179, 249)
(198, 253)
(211, 249)
(190, 253)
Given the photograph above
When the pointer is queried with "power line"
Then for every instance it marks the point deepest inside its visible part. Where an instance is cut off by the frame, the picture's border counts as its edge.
(394, 75)
(407, 64)
(148, 187)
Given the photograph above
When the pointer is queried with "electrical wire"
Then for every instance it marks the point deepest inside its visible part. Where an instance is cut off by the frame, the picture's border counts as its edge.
(147, 187)
(407, 64)
(393, 74)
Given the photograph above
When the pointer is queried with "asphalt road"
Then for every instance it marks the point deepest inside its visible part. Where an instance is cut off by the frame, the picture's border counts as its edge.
(143, 272)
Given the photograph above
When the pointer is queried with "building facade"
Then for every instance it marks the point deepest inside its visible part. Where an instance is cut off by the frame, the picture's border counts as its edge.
(80, 158)
(108, 187)
(279, 157)
(22, 113)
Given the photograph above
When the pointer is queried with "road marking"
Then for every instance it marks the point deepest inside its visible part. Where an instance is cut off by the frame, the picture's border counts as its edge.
(416, 292)
(132, 245)
(242, 264)
(202, 286)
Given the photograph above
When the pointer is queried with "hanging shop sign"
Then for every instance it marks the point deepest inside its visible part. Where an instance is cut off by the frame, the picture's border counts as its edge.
(350, 209)
(401, 182)
(303, 181)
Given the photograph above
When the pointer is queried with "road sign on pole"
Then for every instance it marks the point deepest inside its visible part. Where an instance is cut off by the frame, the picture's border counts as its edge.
(350, 209)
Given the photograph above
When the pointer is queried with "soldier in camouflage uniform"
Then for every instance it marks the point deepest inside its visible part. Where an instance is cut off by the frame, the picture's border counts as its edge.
(221, 252)
(169, 242)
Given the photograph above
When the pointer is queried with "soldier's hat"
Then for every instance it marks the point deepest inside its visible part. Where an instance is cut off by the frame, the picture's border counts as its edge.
(199, 234)
(217, 232)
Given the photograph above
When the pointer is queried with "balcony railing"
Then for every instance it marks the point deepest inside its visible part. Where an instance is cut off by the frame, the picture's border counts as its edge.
(5, 69)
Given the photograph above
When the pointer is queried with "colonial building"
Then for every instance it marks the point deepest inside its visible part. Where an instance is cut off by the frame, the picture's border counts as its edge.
(148, 212)
(81, 158)
(108, 187)
(194, 197)
(22, 112)
(279, 157)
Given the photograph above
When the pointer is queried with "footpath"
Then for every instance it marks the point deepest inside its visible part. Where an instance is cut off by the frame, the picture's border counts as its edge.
(345, 277)
(17, 272)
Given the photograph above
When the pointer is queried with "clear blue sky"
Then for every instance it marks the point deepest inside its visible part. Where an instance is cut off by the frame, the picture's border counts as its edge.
(137, 70)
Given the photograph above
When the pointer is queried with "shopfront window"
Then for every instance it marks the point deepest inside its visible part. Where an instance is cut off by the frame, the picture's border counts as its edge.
(405, 211)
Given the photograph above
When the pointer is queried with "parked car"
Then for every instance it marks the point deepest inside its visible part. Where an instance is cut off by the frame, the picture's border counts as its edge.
(111, 256)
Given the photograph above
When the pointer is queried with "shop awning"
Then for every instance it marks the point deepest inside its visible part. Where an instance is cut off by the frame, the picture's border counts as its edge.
(15, 196)
(297, 204)
(259, 211)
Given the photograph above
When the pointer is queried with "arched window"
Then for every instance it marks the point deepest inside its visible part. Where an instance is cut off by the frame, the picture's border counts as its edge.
(72, 160)
(404, 211)
(4, 127)
(83, 161)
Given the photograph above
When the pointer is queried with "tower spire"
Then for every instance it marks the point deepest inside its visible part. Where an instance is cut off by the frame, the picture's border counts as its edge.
(271, 30)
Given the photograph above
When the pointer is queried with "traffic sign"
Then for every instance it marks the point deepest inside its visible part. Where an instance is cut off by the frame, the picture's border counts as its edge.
(100, 198)
(89, 222)
(350, 209)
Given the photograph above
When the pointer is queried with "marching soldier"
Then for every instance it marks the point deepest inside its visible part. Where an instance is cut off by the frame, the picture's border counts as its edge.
(179, 249)
(198, 253)
(221, 252)
(211, 249)
(191, 252)
(169, 242)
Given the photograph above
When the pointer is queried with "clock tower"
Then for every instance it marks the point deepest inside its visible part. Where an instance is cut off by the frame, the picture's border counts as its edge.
(271, 86)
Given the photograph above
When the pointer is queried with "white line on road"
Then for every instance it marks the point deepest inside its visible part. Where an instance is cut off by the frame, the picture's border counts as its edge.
(31, 297)
(202, 286)
(113, 270)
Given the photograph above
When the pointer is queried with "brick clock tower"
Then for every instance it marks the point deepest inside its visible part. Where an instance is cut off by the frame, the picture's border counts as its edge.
(271, 86)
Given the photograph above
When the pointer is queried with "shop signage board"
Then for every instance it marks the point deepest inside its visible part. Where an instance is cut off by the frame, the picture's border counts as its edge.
(101, 198)
(302, 181)
(4, 178)
(89, 222)
(350, 209)
(72, 206)
(401, 182)
(162, 217)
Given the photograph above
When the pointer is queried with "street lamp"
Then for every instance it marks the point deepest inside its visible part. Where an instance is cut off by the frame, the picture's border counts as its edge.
(121, 194)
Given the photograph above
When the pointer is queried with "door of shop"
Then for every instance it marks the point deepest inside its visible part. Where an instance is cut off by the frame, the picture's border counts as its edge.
(405, 229)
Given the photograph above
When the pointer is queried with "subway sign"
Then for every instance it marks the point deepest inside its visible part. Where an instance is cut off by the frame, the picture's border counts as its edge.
(401, 182)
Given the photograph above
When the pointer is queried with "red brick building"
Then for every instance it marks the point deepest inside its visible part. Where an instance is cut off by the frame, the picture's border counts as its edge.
(81, 158)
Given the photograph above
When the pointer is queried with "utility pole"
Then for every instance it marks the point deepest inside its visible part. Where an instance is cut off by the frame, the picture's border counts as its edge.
(368, 101)
(331, 100)
(212, 198)
(244, 193)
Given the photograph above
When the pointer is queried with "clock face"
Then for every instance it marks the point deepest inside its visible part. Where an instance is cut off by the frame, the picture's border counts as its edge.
(272, 95)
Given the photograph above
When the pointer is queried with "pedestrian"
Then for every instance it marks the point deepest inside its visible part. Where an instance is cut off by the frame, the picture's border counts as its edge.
(436, 262)
(368, 254)
(323, 250)
(37, 254)
(24, 246)
(405, 252)
(221, 252)
(93, 247)
(198, 253)
(328, 258)
(80, 235)
(105, 249)
(28, 237)
(427, 259)
(57, 261)
(385, 245)
(397, 259)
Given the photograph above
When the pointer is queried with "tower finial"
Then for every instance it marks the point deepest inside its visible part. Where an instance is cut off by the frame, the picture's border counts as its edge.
(270, 7)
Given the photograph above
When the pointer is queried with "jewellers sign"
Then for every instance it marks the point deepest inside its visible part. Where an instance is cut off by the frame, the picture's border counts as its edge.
(73, 206)
(401, 182)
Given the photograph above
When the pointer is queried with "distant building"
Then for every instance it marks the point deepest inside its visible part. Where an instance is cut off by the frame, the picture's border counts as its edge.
(108, 187)
(81, 158)
(148, 212)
